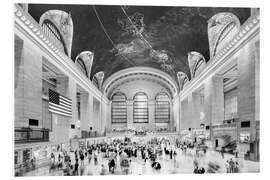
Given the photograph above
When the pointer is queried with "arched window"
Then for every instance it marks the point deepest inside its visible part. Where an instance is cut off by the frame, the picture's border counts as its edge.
(95, 81)
(119, 108)
(162, 108)
(81, 66)
(140, 108)
(198, 67)
(51, 30)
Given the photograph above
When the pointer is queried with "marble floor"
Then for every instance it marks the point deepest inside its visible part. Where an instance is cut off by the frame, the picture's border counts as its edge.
(181, 164)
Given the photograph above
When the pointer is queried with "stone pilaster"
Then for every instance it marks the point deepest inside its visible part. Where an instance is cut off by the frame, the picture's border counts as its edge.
(90, 111)
(214, 102)
(71, 92)
(195, 110)
(246, 87)
(104, 115)
(96, 115)
(130, 114)
(189, 110)
(85, 116)
(184, 121)
(151, 115)
(217, 100)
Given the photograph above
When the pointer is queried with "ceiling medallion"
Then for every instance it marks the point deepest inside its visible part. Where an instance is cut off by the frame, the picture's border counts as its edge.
(135, 27)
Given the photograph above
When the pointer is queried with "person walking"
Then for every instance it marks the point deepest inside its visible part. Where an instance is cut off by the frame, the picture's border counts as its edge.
(95, 159)
(236, 167)
(103, 170)
(89, 158)
(171, 154)
(76, 168)
(222, 153)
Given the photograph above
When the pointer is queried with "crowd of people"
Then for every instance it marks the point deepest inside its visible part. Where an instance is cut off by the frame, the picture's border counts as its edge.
(117, 156)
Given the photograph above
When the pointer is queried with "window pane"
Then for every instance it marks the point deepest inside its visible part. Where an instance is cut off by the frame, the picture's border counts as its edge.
(162, 108)
(119, 108)
(140, 108)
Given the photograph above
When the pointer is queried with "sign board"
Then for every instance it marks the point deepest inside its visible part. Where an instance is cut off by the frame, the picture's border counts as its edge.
(244, 137)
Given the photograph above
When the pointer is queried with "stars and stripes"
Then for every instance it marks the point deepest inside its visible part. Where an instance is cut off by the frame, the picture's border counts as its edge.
(59, 104)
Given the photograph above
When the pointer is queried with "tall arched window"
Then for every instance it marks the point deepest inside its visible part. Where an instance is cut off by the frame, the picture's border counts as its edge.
(119, 108)
(140, 108)
(162, 108)
(95, 81)
(82, 67)
(51, 30)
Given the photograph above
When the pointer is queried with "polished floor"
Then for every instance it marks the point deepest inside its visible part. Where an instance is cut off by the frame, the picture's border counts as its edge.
(181, 164)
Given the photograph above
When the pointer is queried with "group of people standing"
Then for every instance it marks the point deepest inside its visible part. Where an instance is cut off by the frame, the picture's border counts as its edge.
(232, 166)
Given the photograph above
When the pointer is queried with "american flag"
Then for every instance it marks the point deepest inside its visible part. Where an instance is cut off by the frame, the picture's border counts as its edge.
(59, 104)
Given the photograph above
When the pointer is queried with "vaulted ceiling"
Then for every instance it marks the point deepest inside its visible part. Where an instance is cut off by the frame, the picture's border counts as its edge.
(172, 30)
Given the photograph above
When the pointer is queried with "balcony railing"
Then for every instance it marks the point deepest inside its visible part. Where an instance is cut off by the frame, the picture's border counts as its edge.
(26, 135)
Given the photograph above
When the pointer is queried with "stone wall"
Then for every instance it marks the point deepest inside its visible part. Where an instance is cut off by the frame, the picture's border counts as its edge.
(28, 84)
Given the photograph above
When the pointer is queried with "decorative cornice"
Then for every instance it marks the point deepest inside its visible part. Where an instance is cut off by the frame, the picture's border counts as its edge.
(248, 30)
(28, 26)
